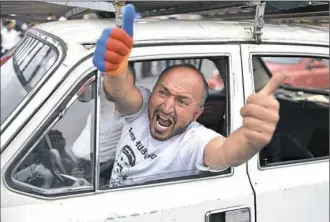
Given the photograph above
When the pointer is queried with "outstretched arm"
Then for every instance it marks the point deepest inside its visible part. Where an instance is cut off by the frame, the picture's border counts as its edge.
(260, 117)
(111, 58)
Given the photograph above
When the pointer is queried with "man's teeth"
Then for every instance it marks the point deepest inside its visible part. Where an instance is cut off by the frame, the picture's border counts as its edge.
(160, 126)
(163, 118)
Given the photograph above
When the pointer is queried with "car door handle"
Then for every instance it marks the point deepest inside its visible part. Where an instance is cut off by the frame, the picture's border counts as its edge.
(239, 214)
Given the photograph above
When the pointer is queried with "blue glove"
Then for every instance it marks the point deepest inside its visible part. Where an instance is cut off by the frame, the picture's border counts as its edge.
(115, 45)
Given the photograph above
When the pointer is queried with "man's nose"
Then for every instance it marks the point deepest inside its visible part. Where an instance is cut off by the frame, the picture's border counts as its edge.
(168, 105)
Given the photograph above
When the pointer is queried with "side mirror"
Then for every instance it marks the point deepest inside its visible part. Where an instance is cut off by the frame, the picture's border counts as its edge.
(88, 94)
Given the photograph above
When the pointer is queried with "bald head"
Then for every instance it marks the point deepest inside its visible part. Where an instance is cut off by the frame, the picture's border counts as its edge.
(192, 75)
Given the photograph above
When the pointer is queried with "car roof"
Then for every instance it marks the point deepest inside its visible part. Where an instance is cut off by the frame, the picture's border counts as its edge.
(155, 31)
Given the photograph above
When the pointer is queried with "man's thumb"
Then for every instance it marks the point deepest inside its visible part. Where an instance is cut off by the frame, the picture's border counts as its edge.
(128, 19)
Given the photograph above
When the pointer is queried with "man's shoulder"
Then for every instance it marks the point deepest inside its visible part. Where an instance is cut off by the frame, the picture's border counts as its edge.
(196, 126)
(196, 129)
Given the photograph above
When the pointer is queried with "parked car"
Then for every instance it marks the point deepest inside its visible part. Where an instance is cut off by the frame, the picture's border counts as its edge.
(50, 90)
(304, 72)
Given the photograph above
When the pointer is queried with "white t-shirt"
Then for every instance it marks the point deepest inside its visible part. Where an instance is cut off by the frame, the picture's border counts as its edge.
(9, 38)
(111, 125)
(141, 158)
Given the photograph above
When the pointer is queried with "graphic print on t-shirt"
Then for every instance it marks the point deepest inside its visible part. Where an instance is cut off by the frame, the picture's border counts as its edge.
(128, 157)
(125, 160)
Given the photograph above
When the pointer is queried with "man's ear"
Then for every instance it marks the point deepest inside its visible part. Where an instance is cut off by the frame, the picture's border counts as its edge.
(198, 113)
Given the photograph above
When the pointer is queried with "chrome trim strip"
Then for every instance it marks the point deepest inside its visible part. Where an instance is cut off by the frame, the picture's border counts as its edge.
(31, 49)
(292, 164)
(159, 42)
(95, 133)
(22, 50)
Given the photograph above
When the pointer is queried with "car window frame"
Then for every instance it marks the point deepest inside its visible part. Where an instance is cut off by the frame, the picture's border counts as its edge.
(203, 176)
(59, 48)
(139, 56)
(309, 90)
(250, 50)
(38, 134)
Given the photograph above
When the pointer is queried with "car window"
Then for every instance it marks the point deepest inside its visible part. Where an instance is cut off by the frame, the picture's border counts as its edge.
(52, 164)
(124, 160)
(21, 71)
(302, 133)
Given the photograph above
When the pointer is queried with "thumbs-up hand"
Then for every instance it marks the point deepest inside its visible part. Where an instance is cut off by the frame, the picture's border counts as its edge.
(261, 113)
(115, 44)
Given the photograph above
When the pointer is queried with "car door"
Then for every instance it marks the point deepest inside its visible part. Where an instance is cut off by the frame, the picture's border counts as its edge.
(290, 176)
(79, 195)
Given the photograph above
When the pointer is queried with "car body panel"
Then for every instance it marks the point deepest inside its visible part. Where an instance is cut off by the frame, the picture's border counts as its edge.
(293, 192)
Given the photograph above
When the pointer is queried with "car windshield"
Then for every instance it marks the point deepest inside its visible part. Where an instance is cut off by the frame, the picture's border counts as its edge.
(21, 70)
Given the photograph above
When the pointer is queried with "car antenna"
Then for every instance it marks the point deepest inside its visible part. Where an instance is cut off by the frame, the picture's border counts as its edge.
(119, 4)
(258, 19)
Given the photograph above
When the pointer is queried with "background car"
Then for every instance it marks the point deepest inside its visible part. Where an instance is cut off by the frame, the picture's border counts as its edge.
(304, 72)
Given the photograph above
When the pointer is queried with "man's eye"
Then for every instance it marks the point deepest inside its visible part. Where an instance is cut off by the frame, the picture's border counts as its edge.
(182, 102)
(162, 92)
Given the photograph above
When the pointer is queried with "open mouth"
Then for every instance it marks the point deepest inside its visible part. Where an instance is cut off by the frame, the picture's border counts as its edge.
(162, 122)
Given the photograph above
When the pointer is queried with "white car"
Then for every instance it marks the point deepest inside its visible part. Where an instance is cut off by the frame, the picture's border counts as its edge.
(50, 90)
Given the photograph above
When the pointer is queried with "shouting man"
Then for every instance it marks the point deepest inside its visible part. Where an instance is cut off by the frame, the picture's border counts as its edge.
(160, 127)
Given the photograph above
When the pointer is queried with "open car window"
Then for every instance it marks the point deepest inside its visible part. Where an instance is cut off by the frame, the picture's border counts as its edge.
(215, 117)
(302, 133)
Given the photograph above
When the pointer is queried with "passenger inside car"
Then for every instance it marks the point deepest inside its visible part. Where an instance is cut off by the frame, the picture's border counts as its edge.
(215, 105)
(40, 168)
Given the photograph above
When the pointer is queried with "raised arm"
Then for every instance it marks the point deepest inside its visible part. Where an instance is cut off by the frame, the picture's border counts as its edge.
(111, 58)
(260, 117)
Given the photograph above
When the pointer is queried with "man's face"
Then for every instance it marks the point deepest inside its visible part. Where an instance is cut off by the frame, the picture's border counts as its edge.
(10, 26)
(174, 103)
